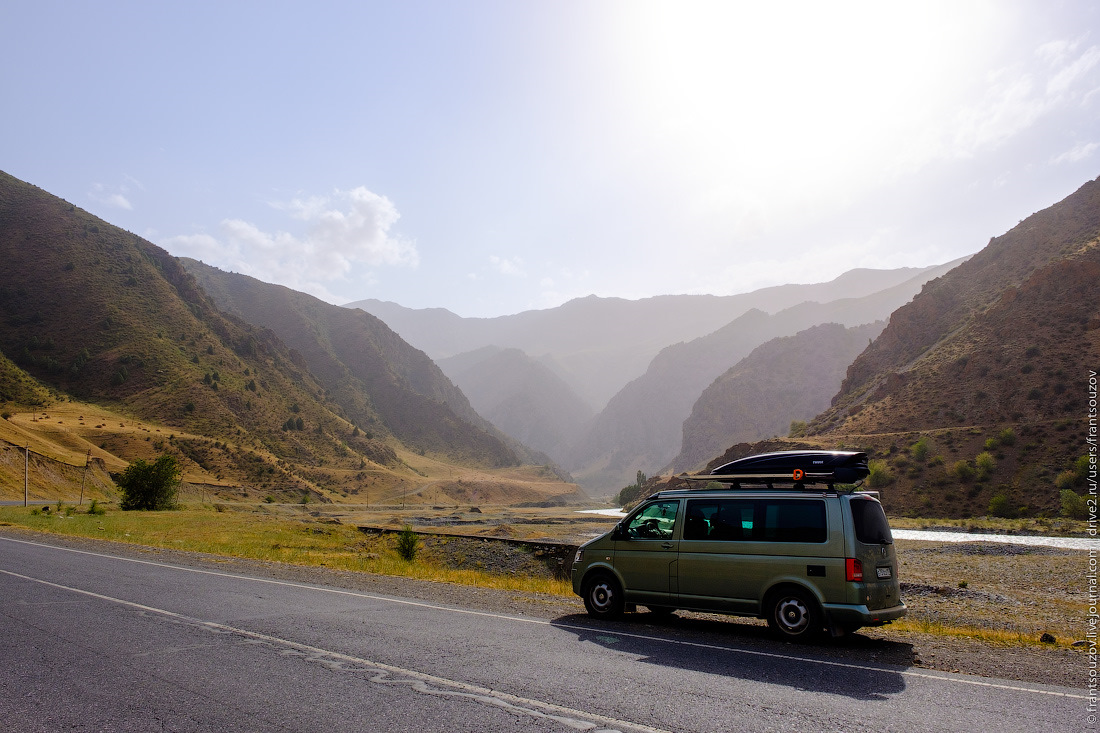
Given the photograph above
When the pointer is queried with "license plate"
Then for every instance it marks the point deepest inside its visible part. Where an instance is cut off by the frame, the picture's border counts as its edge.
(883, 572)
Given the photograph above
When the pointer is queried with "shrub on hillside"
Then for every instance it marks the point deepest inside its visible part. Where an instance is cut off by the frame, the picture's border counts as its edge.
(150, 486)
(1000, 506)
(919, 450)
(880, 475)
(1074, 505)
(963, 471)
(984, 463)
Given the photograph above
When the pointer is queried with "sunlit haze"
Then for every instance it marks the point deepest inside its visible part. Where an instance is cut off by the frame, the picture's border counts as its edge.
(493, 157)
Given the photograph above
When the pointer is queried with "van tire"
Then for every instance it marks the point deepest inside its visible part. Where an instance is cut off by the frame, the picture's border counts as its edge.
(603, 596)
(793, 614)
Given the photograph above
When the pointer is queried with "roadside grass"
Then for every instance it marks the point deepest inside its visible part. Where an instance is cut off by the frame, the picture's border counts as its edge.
(1010, 600)
(1000, 637)
(265, 538)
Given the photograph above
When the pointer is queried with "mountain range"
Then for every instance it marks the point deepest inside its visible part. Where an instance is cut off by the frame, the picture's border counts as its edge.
(316, 401)
(966, 383)
(531, 381)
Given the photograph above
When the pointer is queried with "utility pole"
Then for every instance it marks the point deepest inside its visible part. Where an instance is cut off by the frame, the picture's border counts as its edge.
(26, 464)
(87, 459)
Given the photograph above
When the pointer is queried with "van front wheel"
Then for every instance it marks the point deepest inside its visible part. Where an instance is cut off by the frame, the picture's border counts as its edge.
(793, 615)
(603, 597)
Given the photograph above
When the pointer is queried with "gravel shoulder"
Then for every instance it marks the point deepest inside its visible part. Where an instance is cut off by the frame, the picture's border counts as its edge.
(1056, 664)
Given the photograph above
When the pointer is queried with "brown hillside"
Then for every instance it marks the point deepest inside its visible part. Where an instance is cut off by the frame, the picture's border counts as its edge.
(1021, 361)
(785, 379)
(376, 378)
(949, 302)
(113, 325)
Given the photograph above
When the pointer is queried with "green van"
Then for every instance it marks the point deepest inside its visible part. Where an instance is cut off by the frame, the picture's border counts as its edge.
(804, 559)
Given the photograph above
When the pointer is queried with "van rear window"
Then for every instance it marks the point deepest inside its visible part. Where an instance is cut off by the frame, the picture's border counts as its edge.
(871, 525)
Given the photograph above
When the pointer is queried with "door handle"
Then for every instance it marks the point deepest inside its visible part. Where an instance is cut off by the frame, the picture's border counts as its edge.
(667, 545)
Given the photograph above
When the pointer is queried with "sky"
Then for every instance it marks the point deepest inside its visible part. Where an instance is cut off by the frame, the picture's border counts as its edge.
(491, 157)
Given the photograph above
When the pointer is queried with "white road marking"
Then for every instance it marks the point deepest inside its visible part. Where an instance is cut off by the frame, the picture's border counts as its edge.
(943, 677)
(382, 673)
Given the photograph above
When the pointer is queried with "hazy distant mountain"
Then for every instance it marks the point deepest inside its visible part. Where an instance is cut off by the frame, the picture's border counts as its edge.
(641, 427)
(601, 344)
(364, 366)
(523, 397)
(786, 379)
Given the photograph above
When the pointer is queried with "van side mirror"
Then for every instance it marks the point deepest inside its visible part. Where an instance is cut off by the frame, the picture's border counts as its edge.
(619, 533)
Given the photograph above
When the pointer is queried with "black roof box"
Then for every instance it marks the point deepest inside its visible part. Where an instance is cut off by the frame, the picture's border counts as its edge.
(806, 467)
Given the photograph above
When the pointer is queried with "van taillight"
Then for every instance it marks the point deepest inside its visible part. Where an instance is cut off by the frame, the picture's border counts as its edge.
(853, 569)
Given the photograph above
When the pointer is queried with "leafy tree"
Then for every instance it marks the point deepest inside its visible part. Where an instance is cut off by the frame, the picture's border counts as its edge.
(150, 486)
(634, 491)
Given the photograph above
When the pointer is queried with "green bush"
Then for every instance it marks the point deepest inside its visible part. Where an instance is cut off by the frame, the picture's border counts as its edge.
(1074, 505)
(985, 463)
(999, 506)
(963, 471)
(95, 508)
(919, 450)
(797, 429)
(150, 486)
(1007, 436)
(407, 543)
(880, 475)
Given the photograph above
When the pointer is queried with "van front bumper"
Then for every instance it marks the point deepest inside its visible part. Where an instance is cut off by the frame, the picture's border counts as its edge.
(843, 614)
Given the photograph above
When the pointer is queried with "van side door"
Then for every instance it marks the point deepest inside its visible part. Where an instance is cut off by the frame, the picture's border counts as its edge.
(713, 569)
(646, 552)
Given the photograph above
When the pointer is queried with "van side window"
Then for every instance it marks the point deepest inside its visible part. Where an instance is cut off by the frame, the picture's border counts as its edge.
(720, 520)
(794, 520)
(655, 521)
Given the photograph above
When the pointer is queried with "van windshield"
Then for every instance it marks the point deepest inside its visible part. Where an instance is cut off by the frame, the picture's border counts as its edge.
(871, 525)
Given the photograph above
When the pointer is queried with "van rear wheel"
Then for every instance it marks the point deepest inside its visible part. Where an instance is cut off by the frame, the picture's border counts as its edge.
(603, 596)
(793, 615)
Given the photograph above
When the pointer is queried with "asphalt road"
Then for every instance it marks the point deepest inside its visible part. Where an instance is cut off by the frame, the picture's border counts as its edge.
(92, 641)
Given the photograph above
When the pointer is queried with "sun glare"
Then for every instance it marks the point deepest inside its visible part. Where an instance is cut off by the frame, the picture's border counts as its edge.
(792, 96)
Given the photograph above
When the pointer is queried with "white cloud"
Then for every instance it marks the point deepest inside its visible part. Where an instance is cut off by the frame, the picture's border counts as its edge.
(344, 230)
(196, 246)
(512, 267)
(1077, 154)
(113, 198)
(1068, 76)
(1017, 98)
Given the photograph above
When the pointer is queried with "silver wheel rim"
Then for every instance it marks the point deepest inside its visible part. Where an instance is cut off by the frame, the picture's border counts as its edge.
(602, 596)
(792, 615)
